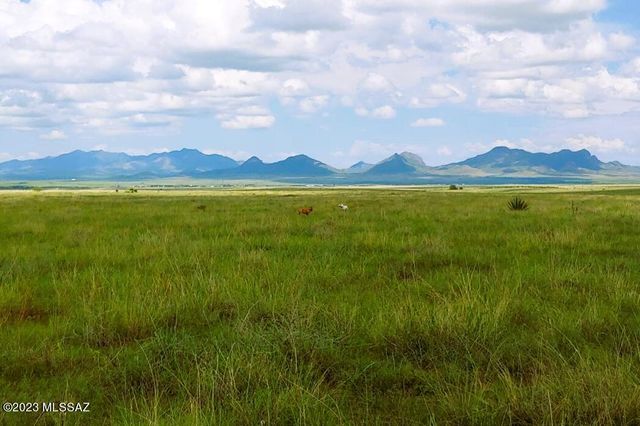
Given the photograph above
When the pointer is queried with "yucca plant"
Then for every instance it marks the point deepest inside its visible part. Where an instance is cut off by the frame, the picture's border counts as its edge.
(518, 203)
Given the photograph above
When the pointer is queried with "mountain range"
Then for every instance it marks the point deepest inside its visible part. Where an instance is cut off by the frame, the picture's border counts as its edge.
(499, 165)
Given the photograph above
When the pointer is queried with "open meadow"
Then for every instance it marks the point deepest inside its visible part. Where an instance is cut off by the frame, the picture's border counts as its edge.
(415, 306)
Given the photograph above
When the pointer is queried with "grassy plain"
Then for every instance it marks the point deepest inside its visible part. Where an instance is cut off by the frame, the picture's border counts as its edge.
(416, 306)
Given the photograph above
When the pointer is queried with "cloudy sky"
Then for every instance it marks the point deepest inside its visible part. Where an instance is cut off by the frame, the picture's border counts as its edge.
(340, 80)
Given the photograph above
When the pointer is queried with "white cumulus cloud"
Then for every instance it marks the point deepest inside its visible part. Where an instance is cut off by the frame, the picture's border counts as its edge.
(428, 122)
(240, 122)
(54, 135)
(116, 66)
(386, 112)
(597, 144)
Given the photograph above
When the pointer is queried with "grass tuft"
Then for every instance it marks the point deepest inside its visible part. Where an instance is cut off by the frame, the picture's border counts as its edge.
(517, 204)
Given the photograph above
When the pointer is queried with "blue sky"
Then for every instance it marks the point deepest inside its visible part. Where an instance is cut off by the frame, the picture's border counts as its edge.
(340, 80)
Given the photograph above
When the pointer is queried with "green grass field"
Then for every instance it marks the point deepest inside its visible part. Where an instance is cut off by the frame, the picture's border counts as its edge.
(413, 307)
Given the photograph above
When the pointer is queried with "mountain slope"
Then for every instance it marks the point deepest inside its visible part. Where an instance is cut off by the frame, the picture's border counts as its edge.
(190, 161)
(100, 165)
(253, 165)
(405, 163)
(510, 160)
(296, 166)
(359, 167)
(66, 166)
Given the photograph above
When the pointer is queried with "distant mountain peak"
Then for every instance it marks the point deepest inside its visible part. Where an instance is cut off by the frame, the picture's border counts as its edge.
(253, 160)
(502, 157)
(294, 166)
(300, 157)
(502, 148)
(302, 160)
(359, 167)
(413, 158)
(99, 164)
(404, 163)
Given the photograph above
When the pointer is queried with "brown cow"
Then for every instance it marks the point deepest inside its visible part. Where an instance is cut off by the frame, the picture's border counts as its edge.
(305, 211)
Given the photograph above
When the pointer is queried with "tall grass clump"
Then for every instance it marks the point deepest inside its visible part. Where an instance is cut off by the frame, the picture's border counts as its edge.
(517, 204)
